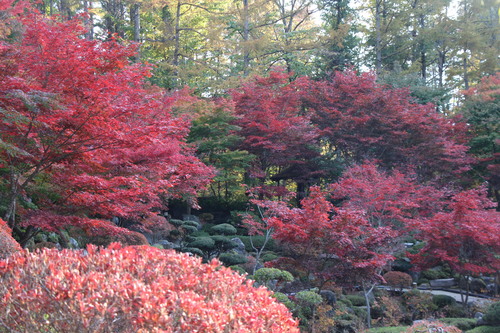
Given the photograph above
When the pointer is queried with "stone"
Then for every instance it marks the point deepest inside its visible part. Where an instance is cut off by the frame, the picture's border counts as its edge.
(329, 296)
(240, 248)
(74, 243)
(442, 283)
(187, 217)
(478, 315)
(166, 244)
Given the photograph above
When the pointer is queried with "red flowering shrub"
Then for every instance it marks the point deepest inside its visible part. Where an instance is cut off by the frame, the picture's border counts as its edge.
(131, 289)
(8, 245)
(398, 280)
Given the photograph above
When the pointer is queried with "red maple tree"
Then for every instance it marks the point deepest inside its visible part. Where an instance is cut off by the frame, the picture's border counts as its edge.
(79, 121)
(466, 236)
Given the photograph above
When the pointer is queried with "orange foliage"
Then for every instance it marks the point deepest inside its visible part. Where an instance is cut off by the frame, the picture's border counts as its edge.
(8, 245)
(132, 289)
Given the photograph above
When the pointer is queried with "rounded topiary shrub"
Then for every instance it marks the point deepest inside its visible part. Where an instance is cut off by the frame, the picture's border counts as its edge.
(223, 229)
(356, 300)
(443, 300)
(230, 259)
(398, 280)
(492, 315)
(131, 289)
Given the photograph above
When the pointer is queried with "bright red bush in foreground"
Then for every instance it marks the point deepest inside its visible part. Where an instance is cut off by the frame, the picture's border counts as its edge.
(131, 289)
(8, 245)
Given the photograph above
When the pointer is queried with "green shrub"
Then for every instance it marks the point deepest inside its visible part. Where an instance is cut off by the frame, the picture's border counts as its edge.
(485, 329)
(356, 300)
(193, 250)
(282, 298)
(231, 259)
(436, 273)
(308, 298)
(192, 223)
(492, 315)
(238, 269)
(463, 323)
(189, 229)
(269, 256)
(360, 311)
(344, 301)
(223, 243)
(265, 275)
(223, 229)
(443, 300)
(203, 243)
(258, 242)
(176, 223)
(397, 329)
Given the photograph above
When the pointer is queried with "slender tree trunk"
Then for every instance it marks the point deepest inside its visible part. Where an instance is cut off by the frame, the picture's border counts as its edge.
(423, 55)
(175, 61)
(367, 300)
(378, 38)
(89, 20)
(246, 33)
(135, 17)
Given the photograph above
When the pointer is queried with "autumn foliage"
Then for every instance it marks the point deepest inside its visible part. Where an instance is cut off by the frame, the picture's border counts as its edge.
(132, 289)
(82, 133)
(8, 245)
(464, 235)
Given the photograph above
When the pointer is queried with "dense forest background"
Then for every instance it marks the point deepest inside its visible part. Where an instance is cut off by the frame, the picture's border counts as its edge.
(436, 47)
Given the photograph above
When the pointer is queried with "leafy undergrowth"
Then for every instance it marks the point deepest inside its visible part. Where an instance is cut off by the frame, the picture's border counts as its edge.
(485, 329)
(131, 289)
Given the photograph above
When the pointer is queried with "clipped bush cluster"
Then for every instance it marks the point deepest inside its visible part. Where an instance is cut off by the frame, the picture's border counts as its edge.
(443, 300)
(8, 245)
(131, 289)
(465, 324)
(492, 315)
(398, 280)
(432, 326)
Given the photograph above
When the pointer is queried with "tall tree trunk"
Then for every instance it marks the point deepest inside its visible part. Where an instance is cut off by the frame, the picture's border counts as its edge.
(246, 33)
(135, 17)
(89, 20)
(175, 61)
(423, 55)
(378, 38)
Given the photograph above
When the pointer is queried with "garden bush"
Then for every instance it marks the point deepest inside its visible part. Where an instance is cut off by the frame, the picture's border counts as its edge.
(443, 300)
(131, 289)
(485, 329)
(398, 280)
(432, 326)
(356, 300)
(223, 229)
(264, 275)
(492, 315)
(230, 259)
(464, 324)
